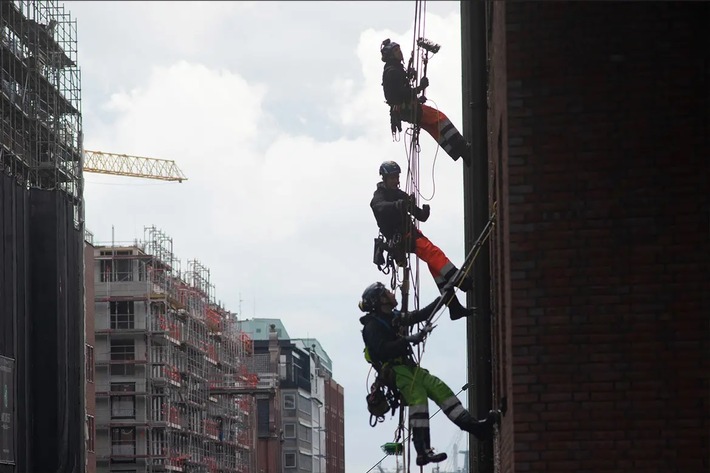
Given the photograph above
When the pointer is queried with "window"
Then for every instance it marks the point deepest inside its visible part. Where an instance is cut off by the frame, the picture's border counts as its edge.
(117, 269)
(304, 433)
(123, 406)
(305, 461)
(289, 401)
(304, 404)
(123, 443)
(90, 433)
(289, 460)
(122, 314)
(123, 352)
(289, 431)
(106, 271)
(262, 417)
(89, 364)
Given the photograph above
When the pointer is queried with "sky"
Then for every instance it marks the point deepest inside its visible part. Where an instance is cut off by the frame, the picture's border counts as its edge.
(275, 113)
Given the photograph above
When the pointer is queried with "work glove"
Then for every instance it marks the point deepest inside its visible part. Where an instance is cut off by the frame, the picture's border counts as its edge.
(424, 83)
(395, 121)
(424, 213)
(395, 125)
(418, 337)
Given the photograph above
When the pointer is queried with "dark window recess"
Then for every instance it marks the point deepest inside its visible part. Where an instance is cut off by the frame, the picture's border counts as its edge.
(262, 418)
(123, 406)
(123, 444)
(122, 355)
(122, 315)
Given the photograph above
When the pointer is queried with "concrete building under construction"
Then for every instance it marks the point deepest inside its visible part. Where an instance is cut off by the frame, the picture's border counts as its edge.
(174, 375)
(41, 238)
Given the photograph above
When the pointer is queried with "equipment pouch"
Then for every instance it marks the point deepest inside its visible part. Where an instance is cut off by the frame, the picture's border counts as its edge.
(378, 256)
(377, 404)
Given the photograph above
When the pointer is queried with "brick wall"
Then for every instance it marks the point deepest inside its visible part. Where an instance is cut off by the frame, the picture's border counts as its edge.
(599, 154)
(335, 427)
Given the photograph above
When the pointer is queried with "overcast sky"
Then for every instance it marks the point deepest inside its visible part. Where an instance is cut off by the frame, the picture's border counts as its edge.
(275, 113)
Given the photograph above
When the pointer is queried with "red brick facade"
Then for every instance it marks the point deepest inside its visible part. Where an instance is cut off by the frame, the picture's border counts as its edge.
(335, 427)
(89, 358)
(599, 139)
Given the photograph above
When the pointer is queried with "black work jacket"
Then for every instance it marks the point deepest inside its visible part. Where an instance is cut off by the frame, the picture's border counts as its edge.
(395, 84)
(390, 220)
(379, 333)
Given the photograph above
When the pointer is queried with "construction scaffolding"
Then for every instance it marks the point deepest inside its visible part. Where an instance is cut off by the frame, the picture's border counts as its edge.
(166, 344)
(40, 98)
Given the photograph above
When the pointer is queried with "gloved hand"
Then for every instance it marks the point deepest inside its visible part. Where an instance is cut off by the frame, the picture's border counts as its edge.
(424, 214)
(395, 125)
(395, 120)
(401, 204)
(423, 83)
(421, 335)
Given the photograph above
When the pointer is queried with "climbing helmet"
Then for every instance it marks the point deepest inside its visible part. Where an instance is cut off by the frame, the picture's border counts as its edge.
(389, 167)
(371, 297)
(387, 49)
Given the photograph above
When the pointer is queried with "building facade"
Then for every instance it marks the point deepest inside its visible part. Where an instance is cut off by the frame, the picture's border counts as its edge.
(590, 122)
(172, 378)
(90, 389)
(42, 419)
(309, 403)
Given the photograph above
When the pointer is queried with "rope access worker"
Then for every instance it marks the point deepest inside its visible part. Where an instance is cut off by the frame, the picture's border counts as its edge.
(404, 105)
(393, 210)
(391, 355)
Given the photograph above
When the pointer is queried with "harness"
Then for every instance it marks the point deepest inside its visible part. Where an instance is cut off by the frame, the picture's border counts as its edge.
(405, 110)
(384, 395)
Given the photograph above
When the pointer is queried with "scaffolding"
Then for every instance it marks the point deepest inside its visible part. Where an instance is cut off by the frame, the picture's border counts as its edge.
(168, 344)
(40, 98)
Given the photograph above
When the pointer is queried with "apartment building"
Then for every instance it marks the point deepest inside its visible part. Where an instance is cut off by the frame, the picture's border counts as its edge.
(168, 361)
(309, 402)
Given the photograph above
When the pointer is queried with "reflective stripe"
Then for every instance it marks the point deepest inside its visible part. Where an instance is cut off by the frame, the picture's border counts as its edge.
(448, 270)
(449, 134)
(445, 125)
(418, 409)
(452, 407)
(413, 423)
(419, 415)
(449, 403)
(456, 412)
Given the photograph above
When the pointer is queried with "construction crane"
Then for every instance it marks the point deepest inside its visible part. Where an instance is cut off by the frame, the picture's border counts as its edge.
(132, 166)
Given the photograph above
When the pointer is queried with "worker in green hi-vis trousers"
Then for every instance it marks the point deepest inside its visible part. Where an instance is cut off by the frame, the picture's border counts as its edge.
(391, 355)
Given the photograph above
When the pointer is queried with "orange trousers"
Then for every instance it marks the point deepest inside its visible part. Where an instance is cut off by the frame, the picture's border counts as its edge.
(439, 264)
(438, 125)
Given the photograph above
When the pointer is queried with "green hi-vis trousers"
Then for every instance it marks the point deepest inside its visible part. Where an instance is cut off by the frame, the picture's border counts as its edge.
(416, 386)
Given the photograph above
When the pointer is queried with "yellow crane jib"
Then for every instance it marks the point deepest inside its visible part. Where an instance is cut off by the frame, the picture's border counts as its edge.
(132, 166)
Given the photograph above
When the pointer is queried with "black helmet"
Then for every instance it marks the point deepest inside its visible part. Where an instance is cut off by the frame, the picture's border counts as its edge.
(371, 297)
(389, 167)
(386, 49)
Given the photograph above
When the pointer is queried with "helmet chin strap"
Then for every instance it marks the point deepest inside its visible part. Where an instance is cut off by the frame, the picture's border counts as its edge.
(388, 307)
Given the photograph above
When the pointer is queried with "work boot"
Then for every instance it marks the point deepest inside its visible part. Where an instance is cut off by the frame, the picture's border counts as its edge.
(465, 283)
(481, 429)
(430, 457)
(457, 311)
